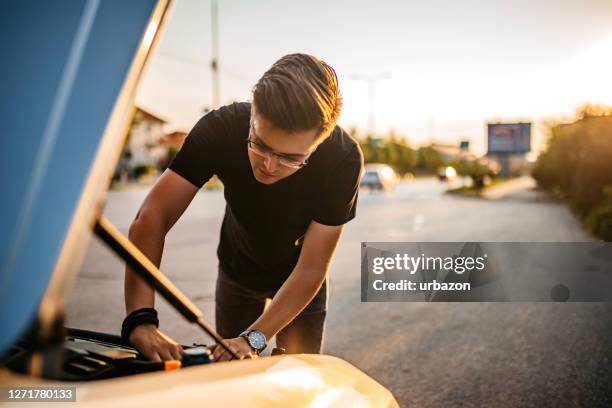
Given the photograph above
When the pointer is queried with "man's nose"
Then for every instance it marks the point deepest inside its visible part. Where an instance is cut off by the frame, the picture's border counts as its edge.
(271, 162)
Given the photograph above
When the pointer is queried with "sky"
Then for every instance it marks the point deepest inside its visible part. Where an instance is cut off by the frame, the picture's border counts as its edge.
(449, 66)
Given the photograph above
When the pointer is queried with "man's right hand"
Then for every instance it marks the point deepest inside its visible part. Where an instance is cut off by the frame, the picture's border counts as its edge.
(154, 344)
(162, 207)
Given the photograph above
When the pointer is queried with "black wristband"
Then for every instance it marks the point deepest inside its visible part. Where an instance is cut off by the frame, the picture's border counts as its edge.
(146, 315)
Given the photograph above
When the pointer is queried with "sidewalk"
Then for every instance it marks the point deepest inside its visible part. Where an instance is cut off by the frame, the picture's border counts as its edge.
(506, 188)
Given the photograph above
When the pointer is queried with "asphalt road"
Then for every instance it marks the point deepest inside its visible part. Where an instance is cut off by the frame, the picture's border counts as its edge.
(429, 355)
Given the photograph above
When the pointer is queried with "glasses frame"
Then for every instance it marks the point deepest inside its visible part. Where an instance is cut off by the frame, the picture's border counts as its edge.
(268, 153)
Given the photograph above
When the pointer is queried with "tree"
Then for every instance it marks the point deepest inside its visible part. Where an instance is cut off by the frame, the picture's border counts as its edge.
(577, 166)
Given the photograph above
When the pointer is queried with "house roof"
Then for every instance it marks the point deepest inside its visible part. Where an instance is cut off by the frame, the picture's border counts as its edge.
(177, 134)
(150, 116)
(175, 139)
(446, 149)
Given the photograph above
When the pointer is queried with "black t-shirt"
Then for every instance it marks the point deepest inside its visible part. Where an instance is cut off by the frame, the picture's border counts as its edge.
(263, 227)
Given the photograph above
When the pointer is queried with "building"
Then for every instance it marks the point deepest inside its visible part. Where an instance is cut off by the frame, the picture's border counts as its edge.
(173, 140)
(143, 143)
(450, 152)
(172, 143)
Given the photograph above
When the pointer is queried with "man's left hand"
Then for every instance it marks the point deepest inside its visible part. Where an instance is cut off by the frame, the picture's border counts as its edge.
(238, 344)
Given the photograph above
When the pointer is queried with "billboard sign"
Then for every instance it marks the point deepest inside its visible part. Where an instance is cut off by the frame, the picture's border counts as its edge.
(509, 137)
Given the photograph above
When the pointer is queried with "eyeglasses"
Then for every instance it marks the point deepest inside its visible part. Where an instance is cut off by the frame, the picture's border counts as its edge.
(264, 151)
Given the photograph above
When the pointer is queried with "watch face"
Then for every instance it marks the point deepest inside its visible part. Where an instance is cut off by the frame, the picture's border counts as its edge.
(257, 340)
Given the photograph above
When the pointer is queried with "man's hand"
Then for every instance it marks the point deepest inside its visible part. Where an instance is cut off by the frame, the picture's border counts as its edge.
(238, 344)
(154, 344)
(305, 280)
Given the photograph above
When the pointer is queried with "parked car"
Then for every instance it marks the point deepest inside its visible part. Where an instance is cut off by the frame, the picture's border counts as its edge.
(378, 176)
(447, 174)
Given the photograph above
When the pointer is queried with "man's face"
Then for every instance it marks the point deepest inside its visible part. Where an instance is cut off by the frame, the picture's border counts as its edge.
(289, 148)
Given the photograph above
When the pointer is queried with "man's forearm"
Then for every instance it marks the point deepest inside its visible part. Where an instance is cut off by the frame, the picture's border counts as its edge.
(295, 294)
(149, 238)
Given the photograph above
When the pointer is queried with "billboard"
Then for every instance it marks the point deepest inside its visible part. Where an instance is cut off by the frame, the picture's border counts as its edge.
(509, 137)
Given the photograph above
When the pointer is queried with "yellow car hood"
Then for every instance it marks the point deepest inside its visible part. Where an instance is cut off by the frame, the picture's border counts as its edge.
(280, 381)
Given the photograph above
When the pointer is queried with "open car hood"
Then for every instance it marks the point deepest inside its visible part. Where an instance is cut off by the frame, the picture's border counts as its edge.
(69, 74)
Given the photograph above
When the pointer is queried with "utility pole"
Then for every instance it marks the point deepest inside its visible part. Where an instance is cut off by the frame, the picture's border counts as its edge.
(371, 80)
(431, 125)
(214, 64)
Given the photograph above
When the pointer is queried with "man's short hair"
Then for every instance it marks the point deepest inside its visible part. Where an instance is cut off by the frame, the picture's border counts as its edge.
(299, 92)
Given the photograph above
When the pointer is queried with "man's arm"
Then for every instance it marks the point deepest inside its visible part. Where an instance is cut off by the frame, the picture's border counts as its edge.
(160, 210)
(299, 289)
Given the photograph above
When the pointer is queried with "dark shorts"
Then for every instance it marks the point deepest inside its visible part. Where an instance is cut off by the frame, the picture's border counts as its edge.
(237, 307)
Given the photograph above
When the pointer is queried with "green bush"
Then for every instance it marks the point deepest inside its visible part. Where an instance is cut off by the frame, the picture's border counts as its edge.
(429, 160)
(577, 167)
(396, 153)
(474, 169)
(141, 170)
(599, 220)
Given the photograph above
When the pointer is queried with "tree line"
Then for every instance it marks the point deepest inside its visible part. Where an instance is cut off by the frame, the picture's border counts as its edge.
(576, 166)
(426, 160)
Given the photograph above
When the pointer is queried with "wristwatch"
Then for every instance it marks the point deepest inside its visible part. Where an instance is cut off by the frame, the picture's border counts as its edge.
(255, 339)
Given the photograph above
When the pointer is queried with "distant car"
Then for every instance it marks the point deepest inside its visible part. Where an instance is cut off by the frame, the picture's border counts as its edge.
(447, 174)
(378, 176)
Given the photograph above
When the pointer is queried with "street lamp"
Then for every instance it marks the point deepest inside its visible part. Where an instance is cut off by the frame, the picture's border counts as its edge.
(371, 80)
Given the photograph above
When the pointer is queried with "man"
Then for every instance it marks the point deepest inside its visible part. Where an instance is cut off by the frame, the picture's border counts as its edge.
(291, 180)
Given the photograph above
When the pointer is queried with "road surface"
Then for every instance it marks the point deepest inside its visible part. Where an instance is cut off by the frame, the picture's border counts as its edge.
(428, 355)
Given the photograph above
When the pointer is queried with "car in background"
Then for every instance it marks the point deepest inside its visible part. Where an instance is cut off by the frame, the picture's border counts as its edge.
(447, 174)
(379, 176)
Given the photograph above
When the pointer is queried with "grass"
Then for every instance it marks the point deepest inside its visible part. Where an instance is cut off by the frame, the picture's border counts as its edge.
(473, 191)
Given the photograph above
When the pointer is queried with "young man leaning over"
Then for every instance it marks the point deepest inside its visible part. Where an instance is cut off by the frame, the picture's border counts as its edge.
(291, 179)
